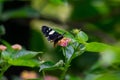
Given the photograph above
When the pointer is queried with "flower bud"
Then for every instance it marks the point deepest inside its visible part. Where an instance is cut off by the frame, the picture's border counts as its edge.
(3, 48)
(17, 47)
(76, 31)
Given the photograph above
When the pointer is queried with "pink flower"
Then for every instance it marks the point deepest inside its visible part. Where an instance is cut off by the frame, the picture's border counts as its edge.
(2, 47)
(17, 47)
(50, 78)
(64, 42)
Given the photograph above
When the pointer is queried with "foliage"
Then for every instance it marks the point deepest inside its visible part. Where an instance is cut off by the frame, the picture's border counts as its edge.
(2, 30)
(99, 22)
(11, 57)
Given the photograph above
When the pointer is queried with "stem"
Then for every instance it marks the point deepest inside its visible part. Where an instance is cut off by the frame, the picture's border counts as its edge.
(65, 70)
(43, 73)
(67, 65)
(3, 71)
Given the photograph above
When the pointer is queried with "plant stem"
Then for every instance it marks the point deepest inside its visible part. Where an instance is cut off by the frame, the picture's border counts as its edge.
(3, 71)
(43, 73)
(67, 65)
(65, 70)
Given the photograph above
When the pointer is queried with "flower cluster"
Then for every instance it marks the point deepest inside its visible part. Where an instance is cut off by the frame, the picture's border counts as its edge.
(15, 47)
(28, 75)
(64, 42)
(2, 47)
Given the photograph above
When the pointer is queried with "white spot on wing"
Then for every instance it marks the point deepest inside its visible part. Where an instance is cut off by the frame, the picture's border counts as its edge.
(51, 32)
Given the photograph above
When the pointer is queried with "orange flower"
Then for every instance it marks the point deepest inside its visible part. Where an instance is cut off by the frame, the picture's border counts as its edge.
(28, 75)
(3, 48)
(64, 42)
(17, 47)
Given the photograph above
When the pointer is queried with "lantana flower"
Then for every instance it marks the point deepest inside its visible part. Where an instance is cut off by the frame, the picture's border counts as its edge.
(17, 47)
(50, 78)
(3, 48)
(28, 75)
(64, 42)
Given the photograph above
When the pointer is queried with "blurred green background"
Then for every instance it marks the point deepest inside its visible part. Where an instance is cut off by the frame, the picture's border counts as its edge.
(99, 19)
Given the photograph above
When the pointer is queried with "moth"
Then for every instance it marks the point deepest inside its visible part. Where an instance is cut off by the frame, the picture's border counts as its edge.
(51, 34)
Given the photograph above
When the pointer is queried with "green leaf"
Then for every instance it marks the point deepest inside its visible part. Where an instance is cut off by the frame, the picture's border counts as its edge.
(101, 7)
(97, 47)
(46, 66)
(5, 55)
(79, 50)
(1, 7)
(57, 1)
(1, 61)
(50, 66)
(91, 76)
(24, 62)
(2, 30)
(72, 77)
(68, 52)
(18, 13)
(82, 37)
(24, 54)
(73, 50)
(104, 76)
(109, 76)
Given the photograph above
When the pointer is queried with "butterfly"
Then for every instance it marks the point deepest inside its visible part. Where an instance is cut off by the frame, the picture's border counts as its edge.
(51, 34)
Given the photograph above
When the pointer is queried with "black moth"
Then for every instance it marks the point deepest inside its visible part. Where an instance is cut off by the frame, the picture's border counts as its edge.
(51, 34)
